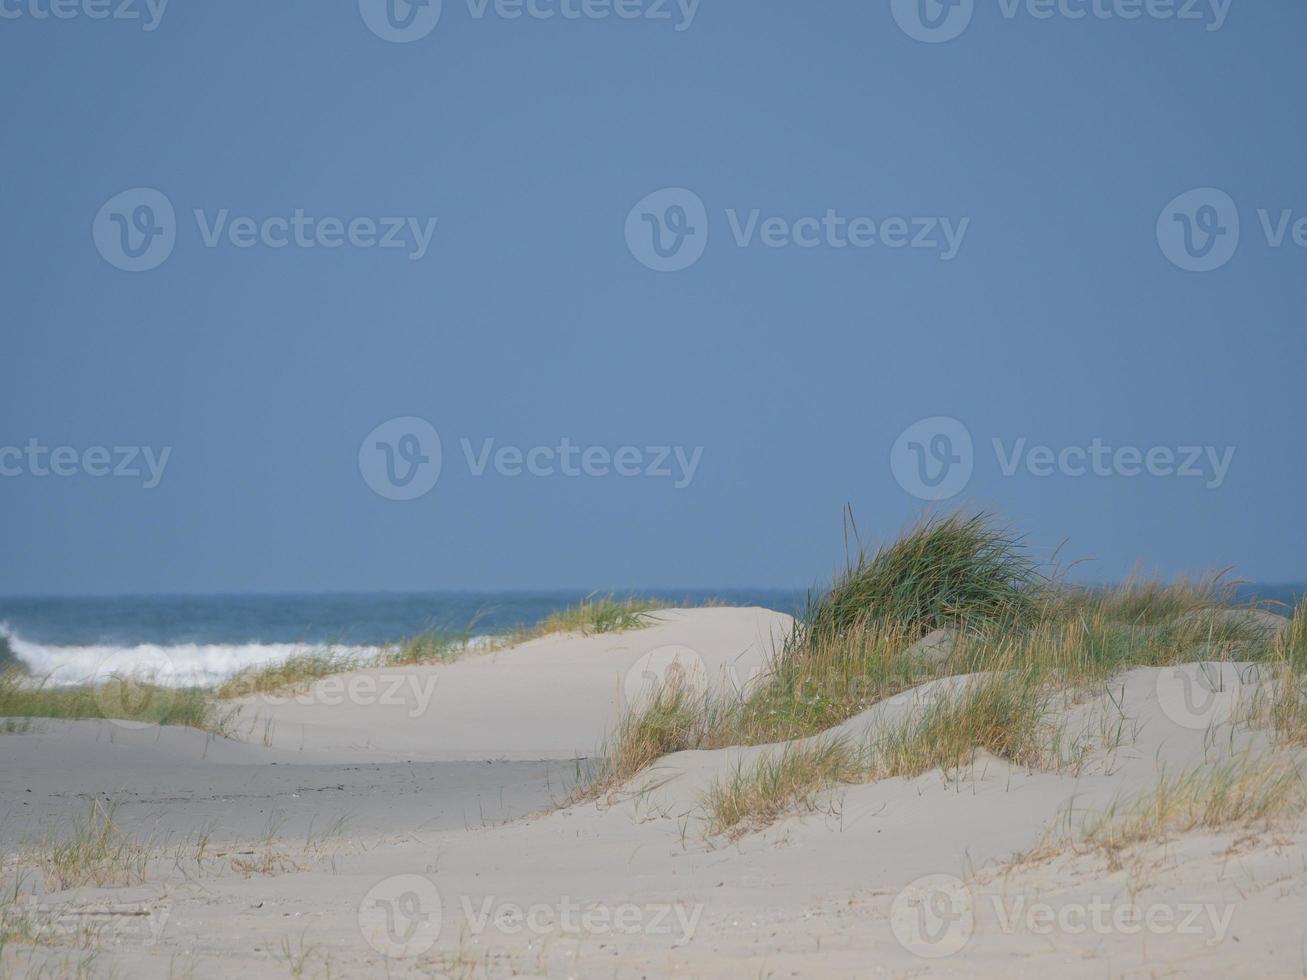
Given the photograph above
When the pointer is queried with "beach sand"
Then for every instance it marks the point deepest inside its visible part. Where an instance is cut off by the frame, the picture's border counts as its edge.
(455, 859)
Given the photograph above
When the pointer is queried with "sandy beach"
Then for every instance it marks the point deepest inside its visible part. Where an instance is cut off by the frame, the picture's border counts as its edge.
(343, 835)
(639, 489)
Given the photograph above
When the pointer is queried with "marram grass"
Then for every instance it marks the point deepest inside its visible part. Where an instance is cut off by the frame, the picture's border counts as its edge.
(1035, 637)
(1247, 791)
(124, 698)
(1003, 714)
(945, 571)
(602, 615)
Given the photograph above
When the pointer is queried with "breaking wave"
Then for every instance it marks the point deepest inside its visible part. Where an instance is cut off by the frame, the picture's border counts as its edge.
(179, 665)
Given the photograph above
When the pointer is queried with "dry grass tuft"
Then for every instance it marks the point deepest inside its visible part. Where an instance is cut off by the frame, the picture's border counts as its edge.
(1247, 791)
(292, 674)
(431, 647)
(97, 852)
(1043, 637)
(1284, 707)
(671, 721)
(794, 780)
(602, 615)
(1003, 714)
(127, 698)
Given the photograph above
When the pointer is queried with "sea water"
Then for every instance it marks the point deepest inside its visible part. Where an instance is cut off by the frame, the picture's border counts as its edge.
(204, 639)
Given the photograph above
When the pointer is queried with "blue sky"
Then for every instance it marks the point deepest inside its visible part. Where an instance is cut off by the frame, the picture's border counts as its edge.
(520, 167)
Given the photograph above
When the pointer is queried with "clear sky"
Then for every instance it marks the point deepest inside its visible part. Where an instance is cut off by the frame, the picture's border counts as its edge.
(1057, 300)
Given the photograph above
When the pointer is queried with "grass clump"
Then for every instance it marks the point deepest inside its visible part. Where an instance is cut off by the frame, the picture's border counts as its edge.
(1003, 714)
(301, 670)
(945, 571)
(18, 926)
(602, 615)
(672, 720)
(1020, 674)
(1141, 601)
(293, 673)
(122, 697)
(1095, 633)
(846, 653)
(98, 852)
(1086, 645)
(1036, 637)
(430, 647)
(793, 780)
(1291, 651)
(1245, 791)
(1284, 706)
(816, 685)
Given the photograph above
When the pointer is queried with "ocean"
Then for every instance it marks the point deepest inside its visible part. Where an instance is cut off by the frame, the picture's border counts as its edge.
(204, 639)
(207, 638)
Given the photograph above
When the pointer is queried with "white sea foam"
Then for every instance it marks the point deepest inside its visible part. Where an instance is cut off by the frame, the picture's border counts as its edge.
(179, 665)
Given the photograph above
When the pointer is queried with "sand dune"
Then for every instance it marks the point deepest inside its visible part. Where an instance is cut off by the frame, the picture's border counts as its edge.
(900, 877)
(549, 698)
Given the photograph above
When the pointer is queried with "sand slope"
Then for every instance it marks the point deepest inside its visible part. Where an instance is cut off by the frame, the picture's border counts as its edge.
(550, 698)
(631, 887)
